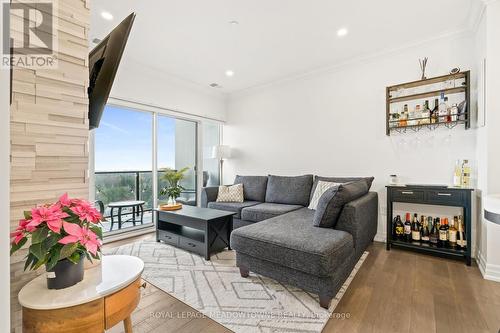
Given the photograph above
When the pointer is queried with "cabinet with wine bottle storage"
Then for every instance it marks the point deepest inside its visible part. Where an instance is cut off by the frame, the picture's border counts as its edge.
(440, 235)
(430, 103)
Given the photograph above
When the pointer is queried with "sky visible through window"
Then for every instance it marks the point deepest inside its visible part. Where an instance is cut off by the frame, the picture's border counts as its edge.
(123, 141)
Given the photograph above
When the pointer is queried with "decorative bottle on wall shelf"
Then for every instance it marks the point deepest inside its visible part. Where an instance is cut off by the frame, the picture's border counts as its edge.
(443, 108)
(435, 112)
(426, 114)
(454, 112)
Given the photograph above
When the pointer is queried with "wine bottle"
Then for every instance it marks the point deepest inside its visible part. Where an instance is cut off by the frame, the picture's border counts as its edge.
(452, 233)
(425, 234)
(443, 108)
(466, 173)
(415, 229)
(435, 112)
(443, 234)
(434, 237)
(399, 228)
(461, 240)
(457, 174)
(448, 110)
(426, 114)
(407, 228)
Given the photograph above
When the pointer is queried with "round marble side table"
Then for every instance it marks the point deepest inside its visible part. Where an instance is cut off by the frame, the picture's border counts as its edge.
(108, 294)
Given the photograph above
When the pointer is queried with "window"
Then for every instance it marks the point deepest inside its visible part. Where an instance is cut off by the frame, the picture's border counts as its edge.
(123, 157)
(211, 138)
(177, 150)
(123, 166)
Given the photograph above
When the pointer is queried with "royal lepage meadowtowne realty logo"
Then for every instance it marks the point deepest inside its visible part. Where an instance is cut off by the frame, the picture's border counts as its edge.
(29, 34)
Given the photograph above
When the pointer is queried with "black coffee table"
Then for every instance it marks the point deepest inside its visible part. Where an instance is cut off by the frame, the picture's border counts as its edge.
(200, 230)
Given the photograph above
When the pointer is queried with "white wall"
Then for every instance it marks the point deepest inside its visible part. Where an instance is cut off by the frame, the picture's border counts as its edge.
(333, 123)
(488, 47)
(136, 82)
(4, 194)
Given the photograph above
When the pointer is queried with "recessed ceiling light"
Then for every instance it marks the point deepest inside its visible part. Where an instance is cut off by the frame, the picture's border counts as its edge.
(107, 16)
(229, 73)
(342, 32)
(234, 22)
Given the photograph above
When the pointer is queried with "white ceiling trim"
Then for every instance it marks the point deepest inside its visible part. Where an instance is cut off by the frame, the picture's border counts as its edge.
(340, 66)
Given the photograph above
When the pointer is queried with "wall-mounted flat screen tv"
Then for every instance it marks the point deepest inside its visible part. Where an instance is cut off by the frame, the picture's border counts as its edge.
(103, 64)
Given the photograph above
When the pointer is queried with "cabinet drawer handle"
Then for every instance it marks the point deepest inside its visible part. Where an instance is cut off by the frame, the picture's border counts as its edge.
(168, 237)
(192, 245)
(445, 194)
(407, 192)
(143, 285)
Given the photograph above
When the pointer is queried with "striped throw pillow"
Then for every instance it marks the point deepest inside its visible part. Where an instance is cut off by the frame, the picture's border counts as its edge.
(321, 187)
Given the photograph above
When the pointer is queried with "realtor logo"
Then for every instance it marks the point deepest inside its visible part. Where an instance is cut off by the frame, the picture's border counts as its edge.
(29, 34)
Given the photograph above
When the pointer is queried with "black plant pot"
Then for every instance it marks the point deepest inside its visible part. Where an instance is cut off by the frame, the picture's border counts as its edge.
(65, 274)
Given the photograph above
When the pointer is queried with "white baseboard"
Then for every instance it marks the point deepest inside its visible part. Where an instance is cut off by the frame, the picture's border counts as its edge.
(379, 237)
(489, 271)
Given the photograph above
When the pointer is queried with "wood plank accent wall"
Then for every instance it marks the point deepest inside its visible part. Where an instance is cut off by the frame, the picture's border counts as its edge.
(49, 129)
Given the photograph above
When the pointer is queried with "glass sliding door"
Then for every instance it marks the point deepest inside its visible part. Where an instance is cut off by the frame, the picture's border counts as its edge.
(176, 150)
(211, 138)
(123, 151)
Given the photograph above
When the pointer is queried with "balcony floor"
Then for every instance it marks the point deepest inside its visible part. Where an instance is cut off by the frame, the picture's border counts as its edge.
(148, 219)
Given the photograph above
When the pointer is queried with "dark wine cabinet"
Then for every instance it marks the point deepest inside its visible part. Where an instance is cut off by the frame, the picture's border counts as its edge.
(431, 195)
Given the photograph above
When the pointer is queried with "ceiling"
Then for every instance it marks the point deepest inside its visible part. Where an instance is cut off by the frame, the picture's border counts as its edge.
(275, 39)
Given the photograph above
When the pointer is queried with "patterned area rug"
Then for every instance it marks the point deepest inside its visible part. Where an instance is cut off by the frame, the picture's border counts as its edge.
(216, 289)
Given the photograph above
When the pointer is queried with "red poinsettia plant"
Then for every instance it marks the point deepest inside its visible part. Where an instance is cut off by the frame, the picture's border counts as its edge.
(68, 229)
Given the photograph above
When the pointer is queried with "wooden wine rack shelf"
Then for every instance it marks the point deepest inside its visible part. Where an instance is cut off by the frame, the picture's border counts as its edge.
(464, 89)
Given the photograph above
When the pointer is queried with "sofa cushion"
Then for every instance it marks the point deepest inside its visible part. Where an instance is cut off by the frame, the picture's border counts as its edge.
(321, 187)
(292, 241)
(232, 206)
(254, 187)
(369, 181)
(266, 211)
(289, 190)
(233, 193)
(333, 200)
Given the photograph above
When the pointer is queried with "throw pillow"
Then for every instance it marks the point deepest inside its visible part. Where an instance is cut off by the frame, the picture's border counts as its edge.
(254, 187)
(321, 187)
(289, 190)
(233, 193)
(368, 180)
(332, 202)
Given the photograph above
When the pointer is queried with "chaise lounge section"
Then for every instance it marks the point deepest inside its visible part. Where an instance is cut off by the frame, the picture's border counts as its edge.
(279, 239)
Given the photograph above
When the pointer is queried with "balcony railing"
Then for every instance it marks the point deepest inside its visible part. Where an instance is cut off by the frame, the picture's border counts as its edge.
(113, 186)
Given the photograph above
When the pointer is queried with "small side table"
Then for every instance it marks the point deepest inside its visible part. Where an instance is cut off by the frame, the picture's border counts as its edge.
(137, 209)
(108, 294)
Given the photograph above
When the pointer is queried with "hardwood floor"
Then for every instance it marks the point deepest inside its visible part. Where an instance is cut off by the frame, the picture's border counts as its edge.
(394, 291)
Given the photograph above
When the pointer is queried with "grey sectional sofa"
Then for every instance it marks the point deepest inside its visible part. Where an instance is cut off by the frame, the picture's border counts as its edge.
(274, 234)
